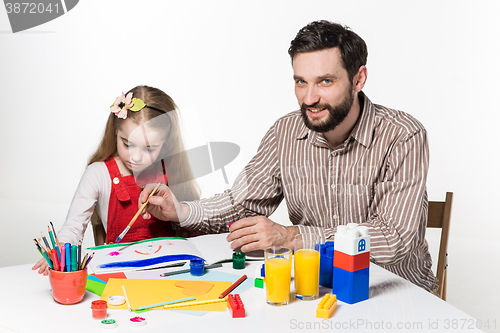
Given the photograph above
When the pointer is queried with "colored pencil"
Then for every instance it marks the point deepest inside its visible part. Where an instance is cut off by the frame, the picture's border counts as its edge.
(46, 242)
(52, 238)
(126, 298)
(88, 260)
(44, 250)
(38, 246)
(48, 260)
(44, 253)
(84, 260)
(233, 286)
(208, 301)
(57, 240)
(124, 232)
(166, 303)
(187, 270)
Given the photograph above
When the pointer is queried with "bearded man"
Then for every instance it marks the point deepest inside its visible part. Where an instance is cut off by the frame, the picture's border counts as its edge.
(340, 159)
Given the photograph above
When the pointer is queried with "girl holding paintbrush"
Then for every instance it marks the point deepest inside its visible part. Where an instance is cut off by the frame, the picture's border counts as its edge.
(141, 142)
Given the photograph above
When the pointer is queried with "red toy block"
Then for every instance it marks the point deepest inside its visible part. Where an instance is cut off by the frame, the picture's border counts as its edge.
(235, 306)
(351, 263)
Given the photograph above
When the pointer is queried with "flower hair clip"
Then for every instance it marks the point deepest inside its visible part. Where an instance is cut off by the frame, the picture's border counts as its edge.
(123, 103)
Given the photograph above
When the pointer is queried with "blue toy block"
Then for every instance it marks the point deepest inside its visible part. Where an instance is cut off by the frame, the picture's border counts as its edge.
(351, 287)
(263, 271)
(326, 264)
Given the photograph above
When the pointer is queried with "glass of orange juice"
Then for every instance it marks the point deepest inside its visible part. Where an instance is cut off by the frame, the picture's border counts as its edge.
(278, 266)
(306, 266)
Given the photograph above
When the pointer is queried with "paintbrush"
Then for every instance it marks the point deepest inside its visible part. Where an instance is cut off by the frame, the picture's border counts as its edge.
(124, 232)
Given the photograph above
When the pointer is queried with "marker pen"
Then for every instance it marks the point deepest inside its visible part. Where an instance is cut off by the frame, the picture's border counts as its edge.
(67, 247)
(63, 258)
(55, 261)
(74, 262)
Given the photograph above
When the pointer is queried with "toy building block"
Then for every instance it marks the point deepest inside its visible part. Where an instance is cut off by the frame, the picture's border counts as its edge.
(352, 239)
(351, 263)
(351, 287)
(326, 306)
(326, 252)
(259, 277)
(263, 271)
(235, 306)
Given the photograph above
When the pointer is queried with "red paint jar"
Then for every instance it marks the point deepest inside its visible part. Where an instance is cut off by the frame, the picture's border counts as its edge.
(99, 309)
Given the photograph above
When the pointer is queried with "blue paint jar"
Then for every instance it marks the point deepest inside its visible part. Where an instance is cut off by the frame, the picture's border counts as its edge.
(197, 267)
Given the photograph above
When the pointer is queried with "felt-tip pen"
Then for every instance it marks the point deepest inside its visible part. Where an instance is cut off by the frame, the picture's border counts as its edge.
(63, 258)
(55, 260)
(67, 248)
(74, 263)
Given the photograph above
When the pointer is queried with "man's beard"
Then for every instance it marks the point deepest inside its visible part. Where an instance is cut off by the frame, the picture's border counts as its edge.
(337, 114)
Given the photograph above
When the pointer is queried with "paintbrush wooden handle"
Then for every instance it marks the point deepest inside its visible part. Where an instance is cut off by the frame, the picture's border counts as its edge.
(120, 237)
(144, 205)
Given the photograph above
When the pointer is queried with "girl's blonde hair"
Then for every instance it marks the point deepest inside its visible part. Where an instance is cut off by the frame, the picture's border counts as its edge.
(180, 176)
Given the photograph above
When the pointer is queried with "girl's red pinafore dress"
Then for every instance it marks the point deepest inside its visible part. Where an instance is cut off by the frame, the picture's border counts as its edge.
(123, 205)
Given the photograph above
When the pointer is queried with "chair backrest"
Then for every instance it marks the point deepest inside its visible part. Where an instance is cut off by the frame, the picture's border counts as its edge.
(439, 216)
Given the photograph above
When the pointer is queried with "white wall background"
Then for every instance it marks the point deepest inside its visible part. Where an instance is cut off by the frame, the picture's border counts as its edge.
(225, 63)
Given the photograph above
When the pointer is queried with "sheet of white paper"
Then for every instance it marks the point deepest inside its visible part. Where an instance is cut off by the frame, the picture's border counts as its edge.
(153, 250)
(214, 247)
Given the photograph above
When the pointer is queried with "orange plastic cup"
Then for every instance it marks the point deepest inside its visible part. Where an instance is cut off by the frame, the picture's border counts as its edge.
(68, 287)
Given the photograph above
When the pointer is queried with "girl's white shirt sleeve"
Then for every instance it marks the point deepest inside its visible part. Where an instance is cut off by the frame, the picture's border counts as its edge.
(93, 190)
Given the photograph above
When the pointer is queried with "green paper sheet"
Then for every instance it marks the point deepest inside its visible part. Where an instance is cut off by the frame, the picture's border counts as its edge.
(95, 287)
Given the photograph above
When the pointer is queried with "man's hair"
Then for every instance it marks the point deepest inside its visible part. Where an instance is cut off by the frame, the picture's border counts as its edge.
(321, 35)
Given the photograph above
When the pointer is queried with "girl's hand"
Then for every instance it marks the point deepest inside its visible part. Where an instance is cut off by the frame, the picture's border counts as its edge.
(42, 266)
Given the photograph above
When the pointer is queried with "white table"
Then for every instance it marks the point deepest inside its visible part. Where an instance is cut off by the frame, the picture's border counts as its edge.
(26, 305)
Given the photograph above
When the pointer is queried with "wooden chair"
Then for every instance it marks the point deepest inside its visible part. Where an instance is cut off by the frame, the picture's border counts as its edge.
(439, 216)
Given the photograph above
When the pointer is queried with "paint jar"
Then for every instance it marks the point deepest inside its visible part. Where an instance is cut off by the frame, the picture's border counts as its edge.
(238, 260)
(137, 321)
(197, 267)
(68, 287)
(99, 309)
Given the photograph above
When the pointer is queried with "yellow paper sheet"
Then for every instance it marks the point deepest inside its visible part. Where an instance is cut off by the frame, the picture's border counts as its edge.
(194, 288)
(142, 292)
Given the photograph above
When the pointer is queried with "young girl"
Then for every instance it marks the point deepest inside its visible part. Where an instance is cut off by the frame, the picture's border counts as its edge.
(142, 144)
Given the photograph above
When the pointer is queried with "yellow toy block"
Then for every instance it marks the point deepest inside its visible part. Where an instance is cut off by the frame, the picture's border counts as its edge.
(326, 307)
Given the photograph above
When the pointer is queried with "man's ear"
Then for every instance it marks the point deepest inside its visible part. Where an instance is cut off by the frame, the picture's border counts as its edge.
(359, 79)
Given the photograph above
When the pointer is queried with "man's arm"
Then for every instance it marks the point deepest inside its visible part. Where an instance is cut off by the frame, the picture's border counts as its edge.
(255, 195)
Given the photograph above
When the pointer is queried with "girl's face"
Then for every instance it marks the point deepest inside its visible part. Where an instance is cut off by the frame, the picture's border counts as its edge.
(138, 146)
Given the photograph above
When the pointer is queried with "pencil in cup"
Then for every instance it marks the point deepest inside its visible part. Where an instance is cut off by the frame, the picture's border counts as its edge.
(57, 241)
(43, 253)
(69, 260)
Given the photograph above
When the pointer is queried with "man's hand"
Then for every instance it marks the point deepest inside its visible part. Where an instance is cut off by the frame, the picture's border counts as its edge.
(259, 232)
(163, 205)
